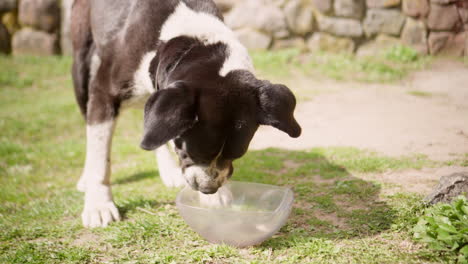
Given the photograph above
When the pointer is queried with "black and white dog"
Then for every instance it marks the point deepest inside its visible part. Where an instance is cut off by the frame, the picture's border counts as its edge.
(196, 79)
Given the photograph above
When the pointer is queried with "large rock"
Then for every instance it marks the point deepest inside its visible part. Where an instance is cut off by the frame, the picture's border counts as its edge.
(266, 18)
(29, 41)
(349, 8)
(296, 43)
(438, 40)
(329, 43)
(416, 8)
(383, 21)
(7, 6)
(343, 27)
(463, 12)
(382, 3)
(378, 46)
(449, 187)
(447, 43)
(300, 17)
(252, 39)
(456, 46)
(5, 46)
(40, 14)
(65, 40)
(415, 35)
(442, 17)
(323, 6)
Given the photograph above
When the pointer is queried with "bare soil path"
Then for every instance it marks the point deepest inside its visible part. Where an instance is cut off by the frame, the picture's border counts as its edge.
(389, 118)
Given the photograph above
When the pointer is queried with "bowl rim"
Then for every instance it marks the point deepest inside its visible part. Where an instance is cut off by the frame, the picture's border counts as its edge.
(287, 190)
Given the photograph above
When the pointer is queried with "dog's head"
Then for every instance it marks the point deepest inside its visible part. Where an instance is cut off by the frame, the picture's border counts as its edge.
(212, 118)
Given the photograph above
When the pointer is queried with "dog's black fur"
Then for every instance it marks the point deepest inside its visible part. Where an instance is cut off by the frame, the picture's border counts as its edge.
(209, 116)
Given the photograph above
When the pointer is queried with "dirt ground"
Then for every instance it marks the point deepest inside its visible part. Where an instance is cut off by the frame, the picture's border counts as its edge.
(384, 117)
(388, 118)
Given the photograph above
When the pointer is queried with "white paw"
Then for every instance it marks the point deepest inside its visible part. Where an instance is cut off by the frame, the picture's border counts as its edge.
(100, 215)
(169, 170)
(173, 178)
(81, 185)
(99, 209)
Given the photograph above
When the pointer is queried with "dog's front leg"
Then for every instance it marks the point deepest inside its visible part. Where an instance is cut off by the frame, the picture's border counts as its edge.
(169, 171)
(99, 208)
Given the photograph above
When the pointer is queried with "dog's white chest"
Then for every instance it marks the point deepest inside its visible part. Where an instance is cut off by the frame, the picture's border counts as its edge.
(142, 85)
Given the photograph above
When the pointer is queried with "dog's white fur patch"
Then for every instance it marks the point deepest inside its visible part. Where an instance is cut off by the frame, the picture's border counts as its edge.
(95, 64)
(169, 170)
(142, 85)
(197, 175)
(99, 208)
(210, 30)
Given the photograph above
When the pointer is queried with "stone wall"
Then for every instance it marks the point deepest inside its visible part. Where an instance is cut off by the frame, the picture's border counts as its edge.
(361, 26)
(30, 27)
(352, 26)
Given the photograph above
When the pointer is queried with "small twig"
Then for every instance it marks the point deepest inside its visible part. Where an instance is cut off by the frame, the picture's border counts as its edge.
(146, 211)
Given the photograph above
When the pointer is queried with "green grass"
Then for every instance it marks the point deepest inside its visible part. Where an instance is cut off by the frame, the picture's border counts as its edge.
(420, 94)
(337, 217)
(391, 65)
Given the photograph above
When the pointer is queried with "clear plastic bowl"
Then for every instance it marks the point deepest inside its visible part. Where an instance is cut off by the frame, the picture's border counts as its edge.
(240, 214)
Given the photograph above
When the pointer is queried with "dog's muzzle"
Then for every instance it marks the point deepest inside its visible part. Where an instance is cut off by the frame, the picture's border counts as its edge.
(206, 179)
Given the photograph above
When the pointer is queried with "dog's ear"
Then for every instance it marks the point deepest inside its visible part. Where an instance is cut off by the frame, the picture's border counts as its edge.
(168, 113)
(277, 104)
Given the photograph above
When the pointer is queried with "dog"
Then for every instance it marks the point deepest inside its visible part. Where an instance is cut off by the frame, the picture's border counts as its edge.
(194, 78)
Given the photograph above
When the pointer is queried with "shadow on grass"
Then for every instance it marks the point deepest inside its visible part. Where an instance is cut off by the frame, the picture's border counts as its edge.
(131, 205)
(137, 177)
(330, 203)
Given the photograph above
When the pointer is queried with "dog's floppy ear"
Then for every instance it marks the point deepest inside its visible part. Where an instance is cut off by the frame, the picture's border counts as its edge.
(168, 113)
(277, 104)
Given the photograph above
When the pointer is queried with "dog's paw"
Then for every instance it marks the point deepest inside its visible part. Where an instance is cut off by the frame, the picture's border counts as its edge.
(81, 185)
(171, 176)
(99, 209)
(100, 215)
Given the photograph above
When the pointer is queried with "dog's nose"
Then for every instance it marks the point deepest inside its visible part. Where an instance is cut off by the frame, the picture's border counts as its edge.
(209, 190)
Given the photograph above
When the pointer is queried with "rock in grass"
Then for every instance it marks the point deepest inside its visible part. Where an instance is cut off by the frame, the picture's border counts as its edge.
(415, 34)
(447, 43)
(29, 41)
(449, 187)
(376, 47)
